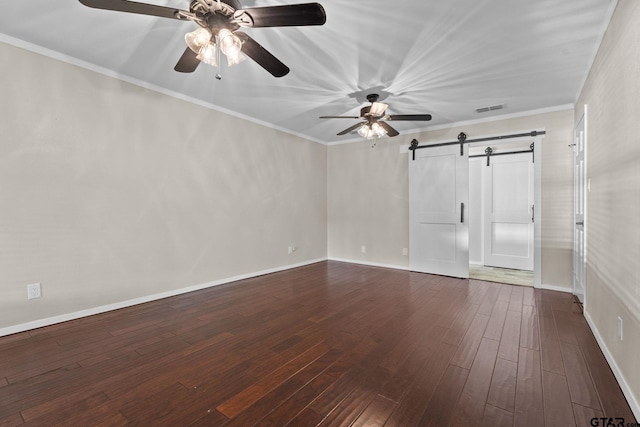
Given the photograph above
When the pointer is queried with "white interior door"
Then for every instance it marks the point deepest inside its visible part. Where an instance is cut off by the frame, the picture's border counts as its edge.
(438, 196)
(509, 212)
(579, 181)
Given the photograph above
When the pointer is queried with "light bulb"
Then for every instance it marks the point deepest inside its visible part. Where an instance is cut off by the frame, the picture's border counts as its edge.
(207, 54)
(197, 39)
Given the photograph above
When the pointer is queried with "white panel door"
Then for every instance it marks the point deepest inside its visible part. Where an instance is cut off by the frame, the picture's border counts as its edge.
(579, 179)
(509, 211)
(438, 196)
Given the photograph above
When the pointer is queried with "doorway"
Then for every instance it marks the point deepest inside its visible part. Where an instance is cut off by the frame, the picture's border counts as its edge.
(501, 235)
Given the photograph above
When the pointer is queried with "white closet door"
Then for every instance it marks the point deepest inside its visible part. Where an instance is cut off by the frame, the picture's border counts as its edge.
(438, 206)
(508, 216)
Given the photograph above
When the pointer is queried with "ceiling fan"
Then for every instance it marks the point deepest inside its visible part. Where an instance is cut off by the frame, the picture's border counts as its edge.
(375, 121)
(219, 21)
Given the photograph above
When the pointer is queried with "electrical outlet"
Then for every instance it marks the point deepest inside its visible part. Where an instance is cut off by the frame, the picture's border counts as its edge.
(620, 330)
(363, 249)
(33, 291)
(405, 251)
(290, 250)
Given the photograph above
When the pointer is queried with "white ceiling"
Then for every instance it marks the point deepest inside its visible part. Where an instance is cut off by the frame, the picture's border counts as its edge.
(445, 58)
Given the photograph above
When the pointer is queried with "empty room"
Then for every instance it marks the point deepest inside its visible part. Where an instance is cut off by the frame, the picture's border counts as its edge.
(225, 213)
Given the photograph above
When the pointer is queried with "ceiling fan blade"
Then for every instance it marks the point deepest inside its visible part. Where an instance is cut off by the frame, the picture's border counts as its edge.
(262, 56)
(352, 128)
(390, 131)
(339, 117)
(411, 117)
(187, 62)
(282, 16)
(134, 7)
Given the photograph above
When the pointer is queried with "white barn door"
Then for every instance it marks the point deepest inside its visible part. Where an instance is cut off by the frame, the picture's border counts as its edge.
(509, 212)
(438, 208)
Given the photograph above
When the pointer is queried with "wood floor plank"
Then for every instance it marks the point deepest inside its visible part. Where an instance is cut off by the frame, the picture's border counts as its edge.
(515, 300)
(581, 386)
(529, 403)
(441, 407)
(413, 403)
(564, 327)
(349, 408)
(529, 328)
(550, 345)
(307, 418)
(502, 392)
(472, 402)
(462, 323)
(496, 321)
(510, 340)
(329, 343)
(584, 415)
(376, 413)
(558, 409)
(291, 407)
(497, 417)
(250, 395)
(284, 391)
(467, 349)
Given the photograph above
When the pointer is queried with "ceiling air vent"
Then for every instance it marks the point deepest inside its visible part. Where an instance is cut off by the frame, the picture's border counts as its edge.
(491, 108)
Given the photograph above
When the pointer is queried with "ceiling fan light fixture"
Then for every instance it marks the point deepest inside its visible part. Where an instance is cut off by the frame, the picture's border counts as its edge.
(197, 39)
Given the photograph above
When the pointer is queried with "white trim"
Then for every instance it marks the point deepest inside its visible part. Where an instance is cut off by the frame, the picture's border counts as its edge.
(371, 264)
(603, 31)
(115, 75)
(626, 390)
(537, 211)
(553, 288)
(128, 303)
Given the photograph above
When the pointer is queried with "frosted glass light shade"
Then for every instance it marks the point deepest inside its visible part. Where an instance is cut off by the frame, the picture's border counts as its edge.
(197, 39)
(230, 44)
(207, 54)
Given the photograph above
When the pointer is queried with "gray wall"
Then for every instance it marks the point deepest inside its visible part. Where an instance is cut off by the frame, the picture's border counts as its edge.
(612, 94)
(111, 192)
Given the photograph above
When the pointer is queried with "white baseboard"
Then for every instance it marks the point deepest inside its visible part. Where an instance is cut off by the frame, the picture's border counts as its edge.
(372, 264)
(554, 288)
(128, 303)
(633, 403)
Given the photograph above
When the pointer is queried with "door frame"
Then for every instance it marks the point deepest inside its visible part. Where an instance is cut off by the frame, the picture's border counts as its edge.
(585, 191)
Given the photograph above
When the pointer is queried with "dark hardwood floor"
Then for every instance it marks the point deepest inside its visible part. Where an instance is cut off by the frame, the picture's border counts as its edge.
(327, 344)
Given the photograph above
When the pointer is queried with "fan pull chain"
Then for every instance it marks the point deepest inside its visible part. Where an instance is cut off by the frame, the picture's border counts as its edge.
(218, 75)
